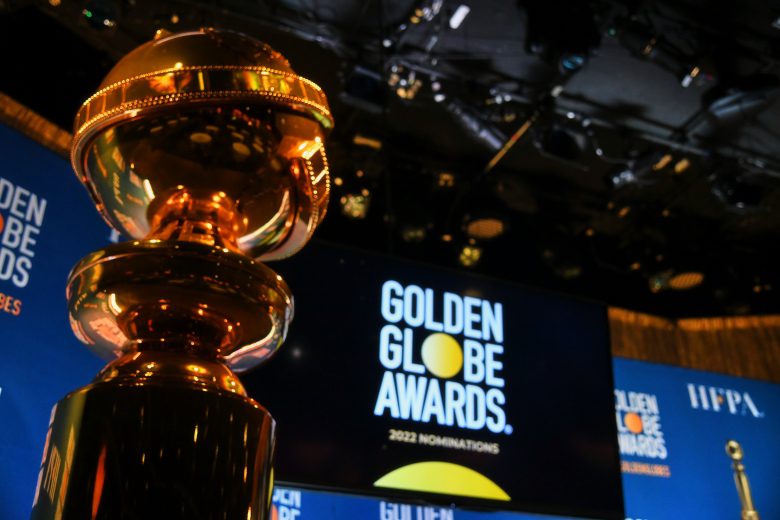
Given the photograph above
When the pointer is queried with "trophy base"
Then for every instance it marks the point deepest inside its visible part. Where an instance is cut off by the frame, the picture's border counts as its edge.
(176, 451)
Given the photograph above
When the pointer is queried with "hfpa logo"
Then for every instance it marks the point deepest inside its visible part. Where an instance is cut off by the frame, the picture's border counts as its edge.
(717, 399)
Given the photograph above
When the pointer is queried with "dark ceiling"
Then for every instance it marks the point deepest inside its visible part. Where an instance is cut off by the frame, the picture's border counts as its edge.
(645, 133)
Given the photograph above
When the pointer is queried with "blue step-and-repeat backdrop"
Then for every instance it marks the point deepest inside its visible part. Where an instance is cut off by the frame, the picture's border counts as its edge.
(672, 424)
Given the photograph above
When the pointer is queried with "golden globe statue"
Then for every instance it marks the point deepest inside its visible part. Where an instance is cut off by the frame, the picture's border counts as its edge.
(207, 149)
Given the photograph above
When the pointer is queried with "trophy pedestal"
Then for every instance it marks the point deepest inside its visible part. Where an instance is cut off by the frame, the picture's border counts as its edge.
(176, 451)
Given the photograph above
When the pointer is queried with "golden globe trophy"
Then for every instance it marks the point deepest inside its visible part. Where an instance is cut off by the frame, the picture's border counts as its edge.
(735, 453)
(207, 149)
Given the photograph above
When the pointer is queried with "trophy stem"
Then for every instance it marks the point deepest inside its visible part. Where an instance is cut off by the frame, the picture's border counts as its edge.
(735, 453)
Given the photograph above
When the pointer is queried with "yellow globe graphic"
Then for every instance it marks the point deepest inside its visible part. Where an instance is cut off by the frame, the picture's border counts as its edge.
(442, 355)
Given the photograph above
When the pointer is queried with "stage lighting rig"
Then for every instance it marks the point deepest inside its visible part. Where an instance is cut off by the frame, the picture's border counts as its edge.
(561, 32)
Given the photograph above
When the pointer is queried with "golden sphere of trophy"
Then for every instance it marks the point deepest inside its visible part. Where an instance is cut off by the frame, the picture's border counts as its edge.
(208, 151)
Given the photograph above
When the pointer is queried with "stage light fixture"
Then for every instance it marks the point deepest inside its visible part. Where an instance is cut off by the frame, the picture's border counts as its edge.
(404, 81)
(471, 121)
(460, 14)
(682, 165)
(100, 14)
(675, 280)
(662, 162)
(445, 180)
(368, 142)
(470, 255)
(355, 205)
(571, 62)
(484, 228)
(413, 233)
(686, 280)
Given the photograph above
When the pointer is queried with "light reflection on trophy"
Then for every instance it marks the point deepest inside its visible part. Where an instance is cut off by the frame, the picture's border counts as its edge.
(207, 149)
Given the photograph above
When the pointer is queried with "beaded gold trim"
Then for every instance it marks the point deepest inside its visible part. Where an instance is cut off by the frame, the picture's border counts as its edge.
(174, 85)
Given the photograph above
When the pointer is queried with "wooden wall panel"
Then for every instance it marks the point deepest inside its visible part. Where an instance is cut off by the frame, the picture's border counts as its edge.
(746, 346)
(21, 118)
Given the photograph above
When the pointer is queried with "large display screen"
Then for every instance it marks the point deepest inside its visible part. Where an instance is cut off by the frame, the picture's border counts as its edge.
(404, 380)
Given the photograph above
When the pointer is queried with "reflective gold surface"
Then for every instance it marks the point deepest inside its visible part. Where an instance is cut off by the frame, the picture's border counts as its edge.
(208, 151)
(182, 296)
(213, 111)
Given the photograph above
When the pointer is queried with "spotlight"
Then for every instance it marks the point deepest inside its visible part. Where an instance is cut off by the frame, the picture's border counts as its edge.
(692, 74)
(678, 281)
(404, 81)
(682, 165)
(445, 180)
(470, 255)
(413, 233)
(472, 122)
(644, 43)
(663, 162)
(571, 62)
(426, 11)
(100, 14)
(438, 95)
(355, 205)
(686, 280)
(460, 14)
(642, 171)
(624, 177)
(369, 142)
(484, 228)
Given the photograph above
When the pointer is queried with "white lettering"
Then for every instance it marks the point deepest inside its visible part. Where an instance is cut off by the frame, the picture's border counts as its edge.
(472, 317)
(392, 304)
(473, 361)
